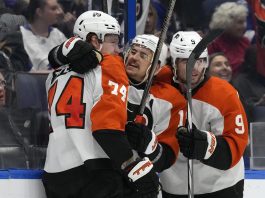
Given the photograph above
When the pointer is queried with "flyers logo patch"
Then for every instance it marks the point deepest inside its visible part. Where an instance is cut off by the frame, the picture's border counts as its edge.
(96, 14)
(142, 168)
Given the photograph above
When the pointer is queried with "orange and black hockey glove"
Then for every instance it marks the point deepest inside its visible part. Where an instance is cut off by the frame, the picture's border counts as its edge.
(196, 144)
(141, 138)
(80, 55)
(142, 178)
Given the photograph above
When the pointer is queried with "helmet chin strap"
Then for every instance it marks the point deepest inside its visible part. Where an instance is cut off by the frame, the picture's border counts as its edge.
(100, 46)
(175, 74)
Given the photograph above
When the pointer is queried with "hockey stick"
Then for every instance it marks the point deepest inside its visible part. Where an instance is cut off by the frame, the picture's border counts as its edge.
(195, 54)
(139, 117)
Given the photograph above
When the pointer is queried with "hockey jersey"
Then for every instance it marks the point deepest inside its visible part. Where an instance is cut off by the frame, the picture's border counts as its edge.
(216, 108)
(81, 104)
(164, 111)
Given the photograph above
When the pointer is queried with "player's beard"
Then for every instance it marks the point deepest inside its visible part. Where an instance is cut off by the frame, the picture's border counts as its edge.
(200, 78)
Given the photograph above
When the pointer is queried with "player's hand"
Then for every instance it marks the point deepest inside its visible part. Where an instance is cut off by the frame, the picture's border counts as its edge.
(197, 144)
(80, 55)
(141, 138)
(142, 178)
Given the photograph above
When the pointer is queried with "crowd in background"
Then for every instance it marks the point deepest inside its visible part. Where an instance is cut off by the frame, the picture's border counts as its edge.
(29, 29)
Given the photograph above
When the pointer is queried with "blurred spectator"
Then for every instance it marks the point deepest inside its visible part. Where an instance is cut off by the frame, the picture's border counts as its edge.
(12, 21)
(208, 7)
(251, 85)
(67, 18)
(7, 94)
(219, 66)
(151, 21)
(231, 17)
(17, 6)
(39, 37)
(161, 11)
(9, 21)
(141, 15)
(2, 90)
(258, 14)
(11, 46)
(13, 56)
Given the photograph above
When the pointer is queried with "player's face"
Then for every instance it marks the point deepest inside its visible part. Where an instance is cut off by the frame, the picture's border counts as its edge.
(221, 68)
(2, 91)
(197, 72)
(150, 23)
(238, 28)
(110, 44)
(138, 61)
(51, 12)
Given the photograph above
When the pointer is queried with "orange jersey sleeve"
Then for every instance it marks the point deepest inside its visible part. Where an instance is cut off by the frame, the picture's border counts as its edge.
(110, 111)
(235, 126)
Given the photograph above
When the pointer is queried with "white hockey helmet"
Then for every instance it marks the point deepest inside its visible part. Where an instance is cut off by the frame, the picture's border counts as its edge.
(183, 43)
(97, 22)
(150, 41)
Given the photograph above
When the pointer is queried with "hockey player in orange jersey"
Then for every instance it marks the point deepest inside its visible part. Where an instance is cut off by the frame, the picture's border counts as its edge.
(163, 113)
(219, 134)
(164, 110)
(88, 154)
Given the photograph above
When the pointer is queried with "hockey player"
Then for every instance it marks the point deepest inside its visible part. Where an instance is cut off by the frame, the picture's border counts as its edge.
(164, 110)
(219, 134)
(88, 154)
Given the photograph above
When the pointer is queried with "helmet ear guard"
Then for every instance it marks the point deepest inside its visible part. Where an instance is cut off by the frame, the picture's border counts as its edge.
(96, 22)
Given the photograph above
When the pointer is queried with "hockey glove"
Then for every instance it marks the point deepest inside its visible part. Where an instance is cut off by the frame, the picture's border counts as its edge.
(142, 178)
(80, 55)
(197, 144)
(141, 138)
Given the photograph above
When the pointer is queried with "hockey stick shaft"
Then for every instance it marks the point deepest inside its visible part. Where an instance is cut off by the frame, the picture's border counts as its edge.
(139, 116)
(195, 54)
